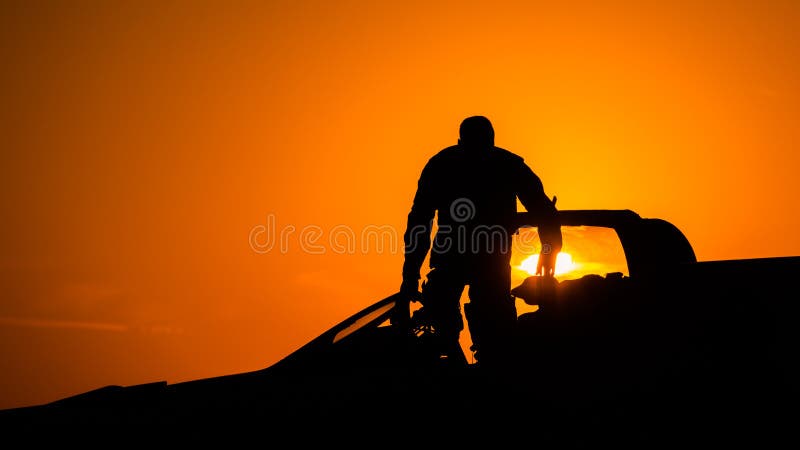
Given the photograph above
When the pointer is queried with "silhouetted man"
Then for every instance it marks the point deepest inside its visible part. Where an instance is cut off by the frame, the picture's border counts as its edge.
(473, 186)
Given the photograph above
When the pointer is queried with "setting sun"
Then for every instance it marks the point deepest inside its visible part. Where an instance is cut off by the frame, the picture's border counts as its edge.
(564, 264)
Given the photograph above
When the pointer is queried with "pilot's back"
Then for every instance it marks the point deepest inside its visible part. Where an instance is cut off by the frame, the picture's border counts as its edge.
(481, 180)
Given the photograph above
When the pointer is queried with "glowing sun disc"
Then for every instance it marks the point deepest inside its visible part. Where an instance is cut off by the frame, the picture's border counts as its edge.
(564, 264)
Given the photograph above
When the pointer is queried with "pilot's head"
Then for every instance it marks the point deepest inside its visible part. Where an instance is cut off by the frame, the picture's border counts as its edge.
(476, 132)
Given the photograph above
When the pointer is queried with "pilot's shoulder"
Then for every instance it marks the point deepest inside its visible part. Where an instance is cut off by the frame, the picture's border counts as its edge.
(508, 156)
(444, 155)
(447, 152)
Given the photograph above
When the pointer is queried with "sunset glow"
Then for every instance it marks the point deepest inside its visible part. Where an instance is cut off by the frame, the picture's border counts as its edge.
(564, 264)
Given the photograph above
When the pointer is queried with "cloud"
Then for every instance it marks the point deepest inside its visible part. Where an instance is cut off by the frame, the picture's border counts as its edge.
(32, 322)
(51, 323)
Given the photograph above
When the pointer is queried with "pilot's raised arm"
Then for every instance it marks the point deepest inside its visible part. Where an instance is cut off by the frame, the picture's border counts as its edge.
(530, 192)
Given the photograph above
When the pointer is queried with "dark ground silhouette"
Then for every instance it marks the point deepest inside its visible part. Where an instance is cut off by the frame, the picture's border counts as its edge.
(678, 353)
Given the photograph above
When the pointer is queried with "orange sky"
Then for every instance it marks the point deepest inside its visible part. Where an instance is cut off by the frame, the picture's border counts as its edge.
(143, 143)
